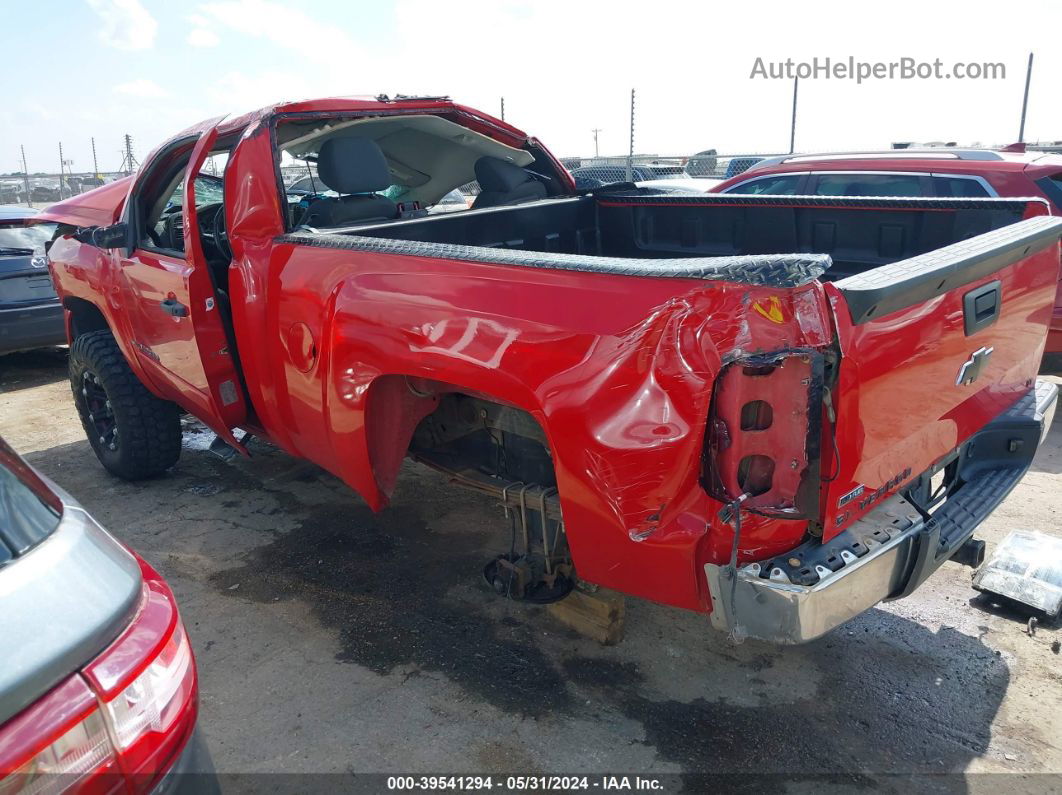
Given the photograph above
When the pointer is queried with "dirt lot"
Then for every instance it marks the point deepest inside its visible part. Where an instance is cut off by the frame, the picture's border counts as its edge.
(330, 639)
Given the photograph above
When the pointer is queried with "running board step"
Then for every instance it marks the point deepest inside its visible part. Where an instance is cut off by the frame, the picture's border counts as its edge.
(226, 451)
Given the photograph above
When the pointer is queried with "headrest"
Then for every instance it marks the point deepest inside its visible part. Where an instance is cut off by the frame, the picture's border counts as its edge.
(494, 174)
(352, 164)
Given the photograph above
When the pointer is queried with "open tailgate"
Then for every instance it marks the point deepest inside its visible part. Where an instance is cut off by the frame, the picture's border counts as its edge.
(931, 349)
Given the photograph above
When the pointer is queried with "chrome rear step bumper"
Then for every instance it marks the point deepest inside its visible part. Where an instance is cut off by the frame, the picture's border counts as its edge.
(892, 550)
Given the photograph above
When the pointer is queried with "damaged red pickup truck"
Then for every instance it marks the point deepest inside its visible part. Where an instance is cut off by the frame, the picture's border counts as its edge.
(776, 410)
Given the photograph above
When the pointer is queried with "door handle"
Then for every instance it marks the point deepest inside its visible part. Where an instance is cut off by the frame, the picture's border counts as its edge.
(171, 306)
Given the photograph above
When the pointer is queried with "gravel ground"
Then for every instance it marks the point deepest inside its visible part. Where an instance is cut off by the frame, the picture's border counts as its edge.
(330, 639)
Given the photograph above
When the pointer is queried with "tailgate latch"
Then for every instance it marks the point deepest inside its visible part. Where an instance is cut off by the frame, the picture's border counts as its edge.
(980, 307)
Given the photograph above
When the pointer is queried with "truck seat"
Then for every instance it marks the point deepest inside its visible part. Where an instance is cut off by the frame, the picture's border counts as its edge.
(354, 166)
(503, 183)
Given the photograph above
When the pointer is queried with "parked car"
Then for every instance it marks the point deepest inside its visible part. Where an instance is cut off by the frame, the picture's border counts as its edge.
(45, 191)
(679, 184)
(306, 186)
(12, 192)
(936, 172)
(703, 164)
(596, 176)
(98, 683)
(30, 313)
(667, 402)
(739, 165)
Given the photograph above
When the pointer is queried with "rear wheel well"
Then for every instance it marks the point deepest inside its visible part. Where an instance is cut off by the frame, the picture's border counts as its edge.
(85, 317)
(475, 432)
(503, 451)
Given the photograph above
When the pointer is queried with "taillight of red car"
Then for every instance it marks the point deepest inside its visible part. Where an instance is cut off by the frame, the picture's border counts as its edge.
(120, 723)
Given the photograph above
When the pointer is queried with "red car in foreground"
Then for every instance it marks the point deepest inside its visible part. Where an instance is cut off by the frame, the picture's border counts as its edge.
(664, 403)
(98, 685)
(940, 172)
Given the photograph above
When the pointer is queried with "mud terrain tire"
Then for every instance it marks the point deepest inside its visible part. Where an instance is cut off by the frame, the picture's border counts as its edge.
(134, 434)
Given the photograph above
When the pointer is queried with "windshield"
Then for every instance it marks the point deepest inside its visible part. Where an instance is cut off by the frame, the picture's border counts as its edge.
(30, 238)
(208, 190)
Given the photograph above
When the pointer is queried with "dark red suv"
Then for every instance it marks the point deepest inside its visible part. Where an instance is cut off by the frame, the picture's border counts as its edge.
(943, 172)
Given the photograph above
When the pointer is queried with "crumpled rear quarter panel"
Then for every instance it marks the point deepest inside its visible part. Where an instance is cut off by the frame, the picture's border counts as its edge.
(617, 369)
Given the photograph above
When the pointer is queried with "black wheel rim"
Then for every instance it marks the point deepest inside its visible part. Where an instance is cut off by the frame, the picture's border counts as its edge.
(100, 413)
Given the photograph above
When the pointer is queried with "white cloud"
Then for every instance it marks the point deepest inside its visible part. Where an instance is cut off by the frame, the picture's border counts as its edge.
(141, 88)
(239, 92)
(127, 25)
(201, 37)
(279, 24)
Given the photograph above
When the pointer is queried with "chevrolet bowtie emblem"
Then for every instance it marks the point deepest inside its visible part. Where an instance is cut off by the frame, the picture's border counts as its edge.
(972, 367)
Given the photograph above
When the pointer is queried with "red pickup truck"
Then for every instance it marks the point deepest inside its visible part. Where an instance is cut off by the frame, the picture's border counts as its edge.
(664, 403)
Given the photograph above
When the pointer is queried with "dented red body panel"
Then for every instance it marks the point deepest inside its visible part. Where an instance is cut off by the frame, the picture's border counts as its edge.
(344, 352)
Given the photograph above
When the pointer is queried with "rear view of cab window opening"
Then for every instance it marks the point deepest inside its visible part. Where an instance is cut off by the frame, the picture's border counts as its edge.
(25, 519)
(868, 185)
(959, 188)
(768, 186)
(343, 172)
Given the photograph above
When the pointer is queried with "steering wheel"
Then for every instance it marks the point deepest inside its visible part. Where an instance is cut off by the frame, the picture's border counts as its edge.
(173, 232)
(221, 237)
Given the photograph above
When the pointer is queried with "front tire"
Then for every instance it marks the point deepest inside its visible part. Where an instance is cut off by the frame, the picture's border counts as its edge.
(134, 434)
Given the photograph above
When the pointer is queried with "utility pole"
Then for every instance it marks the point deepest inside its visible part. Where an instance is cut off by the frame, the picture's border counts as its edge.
(25, 175)
(503, 108)
(1025, 100)
(61, 172)
(595, 131)
(792, 124)
(630, 150)
(95, 165)
(128, 161)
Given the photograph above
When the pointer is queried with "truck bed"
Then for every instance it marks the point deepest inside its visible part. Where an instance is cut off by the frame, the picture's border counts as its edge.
(783, 240)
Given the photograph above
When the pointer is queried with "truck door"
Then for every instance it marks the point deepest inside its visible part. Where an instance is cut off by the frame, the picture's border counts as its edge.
(179, 332)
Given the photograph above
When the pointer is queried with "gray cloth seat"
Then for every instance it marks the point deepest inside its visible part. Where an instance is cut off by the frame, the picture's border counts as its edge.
(503, 183)
(352, 165)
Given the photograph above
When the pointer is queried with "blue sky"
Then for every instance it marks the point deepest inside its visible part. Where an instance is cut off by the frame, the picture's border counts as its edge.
(106, 67)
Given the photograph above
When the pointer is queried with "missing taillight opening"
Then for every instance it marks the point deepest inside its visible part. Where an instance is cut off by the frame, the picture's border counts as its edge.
(763, 431)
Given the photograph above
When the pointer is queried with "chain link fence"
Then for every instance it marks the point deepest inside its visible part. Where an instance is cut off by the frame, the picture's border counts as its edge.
(708, 165)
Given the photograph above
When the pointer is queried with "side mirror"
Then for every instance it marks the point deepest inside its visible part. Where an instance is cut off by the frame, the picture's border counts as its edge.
(113, 236)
